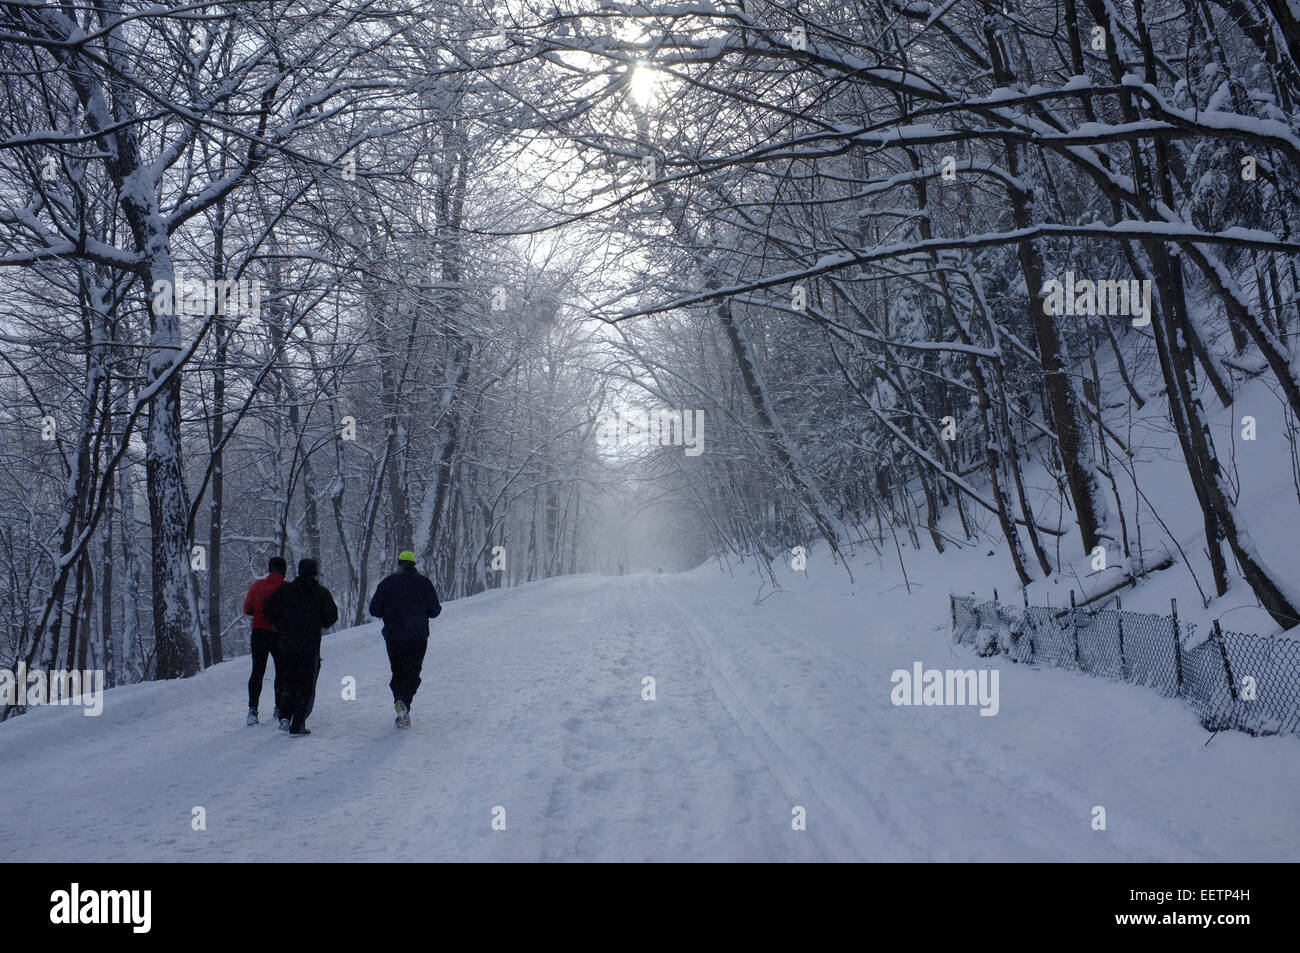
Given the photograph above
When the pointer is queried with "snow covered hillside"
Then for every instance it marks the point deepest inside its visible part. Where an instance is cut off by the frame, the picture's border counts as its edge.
(532, 702)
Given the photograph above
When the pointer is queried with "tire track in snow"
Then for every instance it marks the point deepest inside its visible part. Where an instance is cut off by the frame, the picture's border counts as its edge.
(801, 785)
(644, 774)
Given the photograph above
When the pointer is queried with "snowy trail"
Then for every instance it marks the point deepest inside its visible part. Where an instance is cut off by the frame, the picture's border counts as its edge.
(532, 701)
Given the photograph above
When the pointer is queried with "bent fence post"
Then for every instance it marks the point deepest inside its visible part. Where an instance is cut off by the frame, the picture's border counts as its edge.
(1223, 654)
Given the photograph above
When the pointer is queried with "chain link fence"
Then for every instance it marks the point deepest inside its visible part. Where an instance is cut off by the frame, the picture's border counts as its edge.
(1232, 680)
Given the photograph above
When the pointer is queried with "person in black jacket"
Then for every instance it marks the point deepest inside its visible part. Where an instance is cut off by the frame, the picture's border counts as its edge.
(300, 611)
(406, 601)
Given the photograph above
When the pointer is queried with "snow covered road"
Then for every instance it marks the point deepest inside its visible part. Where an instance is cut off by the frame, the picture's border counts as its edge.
(532, 702)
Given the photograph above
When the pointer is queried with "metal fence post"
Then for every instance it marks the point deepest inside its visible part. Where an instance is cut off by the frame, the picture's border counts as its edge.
(1119, 626)
(1074, 628)
(1178, 649)
(1029, 626)
(1223, 654)
(997, 623)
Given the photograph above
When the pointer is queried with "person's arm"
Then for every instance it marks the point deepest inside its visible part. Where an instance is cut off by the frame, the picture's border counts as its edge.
(329, 611)
(271, 608)
(431, 604)
(248, 599)
(377, 601)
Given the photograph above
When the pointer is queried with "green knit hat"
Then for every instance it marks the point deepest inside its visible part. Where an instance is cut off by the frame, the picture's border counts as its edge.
(406, 556)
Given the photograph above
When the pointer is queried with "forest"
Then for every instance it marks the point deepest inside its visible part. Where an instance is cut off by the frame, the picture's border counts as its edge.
(534, 289)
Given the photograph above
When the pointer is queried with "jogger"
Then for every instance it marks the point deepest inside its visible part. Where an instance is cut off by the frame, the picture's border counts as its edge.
(301, 610)
(264, 638)
(406, 601)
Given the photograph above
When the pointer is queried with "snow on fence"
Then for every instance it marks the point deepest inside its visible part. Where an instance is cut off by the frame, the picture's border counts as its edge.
(1232, 680)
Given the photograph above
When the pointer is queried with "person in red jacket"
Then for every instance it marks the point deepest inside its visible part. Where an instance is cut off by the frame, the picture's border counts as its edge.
(264, 638)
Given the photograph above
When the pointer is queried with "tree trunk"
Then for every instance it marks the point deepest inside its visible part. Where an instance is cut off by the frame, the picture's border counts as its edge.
(1063, 402)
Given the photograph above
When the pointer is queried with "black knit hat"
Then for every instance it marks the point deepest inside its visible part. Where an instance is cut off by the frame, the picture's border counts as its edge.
(308, 568)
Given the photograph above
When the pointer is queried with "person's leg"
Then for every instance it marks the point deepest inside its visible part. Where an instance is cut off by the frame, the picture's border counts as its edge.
(414, 665)
(395, 666)
(405, 671)
(295, 695)
(312, 664)
(279, 682)
(261, 646)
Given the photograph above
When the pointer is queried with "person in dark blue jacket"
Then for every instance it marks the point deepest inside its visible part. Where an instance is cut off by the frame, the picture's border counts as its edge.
(406, 601)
